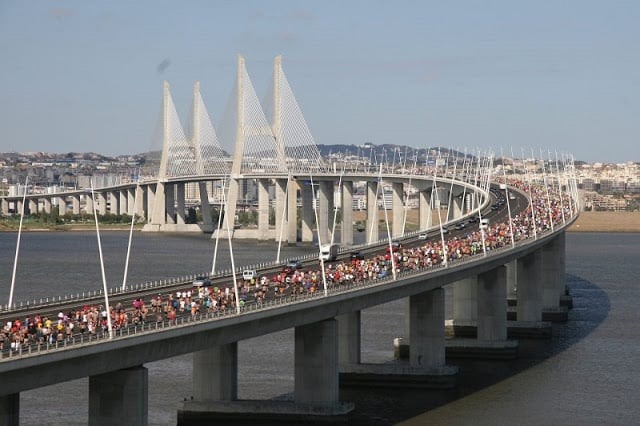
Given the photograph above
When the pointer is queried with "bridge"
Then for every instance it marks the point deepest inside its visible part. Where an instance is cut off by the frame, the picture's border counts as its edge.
(522, 249)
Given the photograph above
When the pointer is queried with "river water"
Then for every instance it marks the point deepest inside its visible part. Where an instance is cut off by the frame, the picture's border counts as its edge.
(587, 373)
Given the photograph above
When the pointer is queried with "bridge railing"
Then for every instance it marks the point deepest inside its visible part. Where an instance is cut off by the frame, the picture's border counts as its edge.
(159, 326)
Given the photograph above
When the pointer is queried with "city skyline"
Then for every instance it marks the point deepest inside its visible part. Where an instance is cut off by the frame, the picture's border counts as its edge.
(83, 77)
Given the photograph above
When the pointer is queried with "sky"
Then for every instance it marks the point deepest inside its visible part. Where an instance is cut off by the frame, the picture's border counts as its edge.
(564, 76)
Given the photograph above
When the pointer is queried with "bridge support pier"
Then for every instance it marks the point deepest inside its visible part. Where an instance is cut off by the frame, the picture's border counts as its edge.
(372, 212)
(346, 229)
(221, 384)
(424, 209)
(292, 212)
(316, 363)
(553, 282)
(10, 409)
(306, 225)
(349, 334)
(263, 209)
(119, 397)
(397, 193)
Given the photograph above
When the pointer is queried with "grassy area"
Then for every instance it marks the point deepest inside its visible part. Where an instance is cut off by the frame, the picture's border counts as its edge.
(607, 222)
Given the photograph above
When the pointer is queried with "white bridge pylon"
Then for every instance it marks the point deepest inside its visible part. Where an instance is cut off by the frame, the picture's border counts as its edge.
(278, 142)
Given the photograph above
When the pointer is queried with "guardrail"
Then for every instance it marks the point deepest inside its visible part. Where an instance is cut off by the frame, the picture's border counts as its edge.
(153, 327)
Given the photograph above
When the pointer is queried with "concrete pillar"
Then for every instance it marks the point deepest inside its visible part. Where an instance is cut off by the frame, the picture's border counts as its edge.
(10, 409)
(5, 207)
(349, 335)
(131, 200)
(424, 209)
(62, 206)
(123, 205)
(88, 204)
(512, 279)
(263, 209)
(560, 242)
(426, 329)
(47, 205)
(397, 195)
(181, 211)
(549, 276)
(308, 217)
(33, 205)
(101, 203)
(456, 205)
(151, 202)
(75, 204)
(465, 301)
(170, 202)
(372, 212)
(158, 204)
(325, 210)
(114, 202)
(346, 233)
(205, 208)
(530, 287)
(292, 211)
(215, 373)
(492, 304)
(316, 363)
(119, 397)
(281, 192)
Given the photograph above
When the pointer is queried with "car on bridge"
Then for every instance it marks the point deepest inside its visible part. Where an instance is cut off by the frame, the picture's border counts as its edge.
(201, 281)
(292, 266)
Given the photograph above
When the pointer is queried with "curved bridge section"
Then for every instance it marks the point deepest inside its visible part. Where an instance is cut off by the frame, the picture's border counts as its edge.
(525, 250)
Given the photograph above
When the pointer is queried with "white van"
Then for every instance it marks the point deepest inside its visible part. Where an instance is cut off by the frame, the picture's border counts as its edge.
(248, 274)
(329, 252)
(484, 224)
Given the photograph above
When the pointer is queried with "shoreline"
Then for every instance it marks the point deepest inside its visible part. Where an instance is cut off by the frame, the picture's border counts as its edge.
(605, 222)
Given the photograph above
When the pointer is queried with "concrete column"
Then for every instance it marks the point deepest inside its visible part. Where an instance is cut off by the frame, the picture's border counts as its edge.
(308, 217)
(263, 209)
(205, 208)
(281, 192)
(215, 373)
(560, 242)
(151, 202)
(397, 194)
(158, 204)
(101, 203)
(456, 205)
(530, 287)
(512, 279)
(372, 212)
(325, 211)
(170, 198)
(47, 205)
(292, 212)
(88, 204)
(131, 200)
(346, 232)
(426, 329)
(549, 276)
(10, 409)
(316, 363)
(75, 204)
(33, 206)
(424, 209)
(181, 212)
(492, 304)
(119, 397)
(123, 205)
(62, 206)
(114, 202)
(349, 335)
(5, 207)
(465, 301)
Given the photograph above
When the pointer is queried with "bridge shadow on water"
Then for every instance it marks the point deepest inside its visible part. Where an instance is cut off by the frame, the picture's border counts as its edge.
(384, 406)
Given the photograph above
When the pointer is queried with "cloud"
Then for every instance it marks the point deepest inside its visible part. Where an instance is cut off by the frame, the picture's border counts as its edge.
(162, 66)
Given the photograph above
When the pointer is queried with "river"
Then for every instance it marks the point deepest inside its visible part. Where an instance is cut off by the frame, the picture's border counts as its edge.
(587, 373)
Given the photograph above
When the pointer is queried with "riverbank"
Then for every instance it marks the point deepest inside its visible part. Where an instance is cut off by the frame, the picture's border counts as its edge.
(586, 222)
(607, 222)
